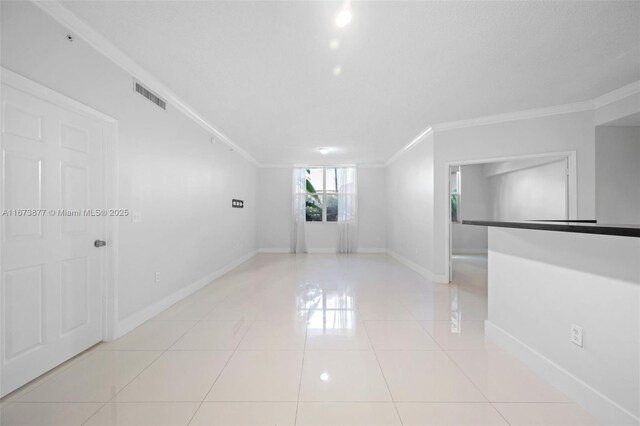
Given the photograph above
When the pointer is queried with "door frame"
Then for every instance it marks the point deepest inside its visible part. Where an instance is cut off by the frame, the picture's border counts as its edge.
(572, 189)
(109, 279)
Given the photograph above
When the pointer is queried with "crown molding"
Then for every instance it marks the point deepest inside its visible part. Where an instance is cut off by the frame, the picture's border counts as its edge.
(515, 116)
(410, 145)
(616, 95)
(290, 166)
(371, 166)
(591, 105)
(274, 166)
(65, 17)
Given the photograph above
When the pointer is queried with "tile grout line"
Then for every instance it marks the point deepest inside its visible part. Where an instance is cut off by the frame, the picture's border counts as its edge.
(463, 372)
(235, 350)
(304, 352)
(375, 353)
(71, 362)
(476, 386)
(162, 352)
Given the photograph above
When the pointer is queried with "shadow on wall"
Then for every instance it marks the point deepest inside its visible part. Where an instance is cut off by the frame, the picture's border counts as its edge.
(523, 189)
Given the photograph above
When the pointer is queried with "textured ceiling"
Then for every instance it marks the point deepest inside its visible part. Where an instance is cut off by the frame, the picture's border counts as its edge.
(263, 72)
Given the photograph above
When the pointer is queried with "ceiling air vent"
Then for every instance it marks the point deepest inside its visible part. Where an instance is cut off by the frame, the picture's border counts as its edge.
(149, 95)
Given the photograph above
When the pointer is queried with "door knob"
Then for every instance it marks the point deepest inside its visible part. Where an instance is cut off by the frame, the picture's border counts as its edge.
(99, 243)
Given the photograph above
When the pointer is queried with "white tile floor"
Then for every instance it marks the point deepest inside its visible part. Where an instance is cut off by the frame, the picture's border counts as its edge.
(308, 340)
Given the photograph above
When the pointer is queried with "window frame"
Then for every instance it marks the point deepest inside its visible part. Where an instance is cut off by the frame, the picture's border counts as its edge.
(457, 195)
(323, 193)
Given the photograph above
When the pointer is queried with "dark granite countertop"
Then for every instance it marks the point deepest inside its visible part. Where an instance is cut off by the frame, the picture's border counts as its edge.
(577, 226)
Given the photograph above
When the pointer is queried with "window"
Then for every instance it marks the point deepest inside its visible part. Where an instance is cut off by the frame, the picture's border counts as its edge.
(322, 194)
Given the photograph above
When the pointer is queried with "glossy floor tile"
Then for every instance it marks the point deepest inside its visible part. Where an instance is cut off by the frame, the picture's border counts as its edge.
(183, 376)
(46, 413)
(259, 376)
(342, 376)
(428, 376)
(456, 335)
(384, 309)
(233, 311)
(96, 378)
(309, 340)
(336, 331)
(145, 413)
(502, 378)
(150, 336)
(15, 395)
(279, 335)
(212, 336)
(246, 413)
(544, 414)
(399, 335)
(347, 413)
(465, 413)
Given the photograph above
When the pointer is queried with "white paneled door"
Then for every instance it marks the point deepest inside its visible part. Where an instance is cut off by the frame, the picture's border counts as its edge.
(52, 185)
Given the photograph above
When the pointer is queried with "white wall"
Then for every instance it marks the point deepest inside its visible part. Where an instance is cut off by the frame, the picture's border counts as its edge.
(417, 231)
(523, 189)
(538, 192)
(168, 168)
(563, 132)
(540, 283)
(618, 174)
(275, 208)
(274, 219)
(372, 212)
(474, 204)
(410, 221)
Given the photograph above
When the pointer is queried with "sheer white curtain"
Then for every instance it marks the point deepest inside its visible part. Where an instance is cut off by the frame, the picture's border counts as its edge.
(298, 244)
(347, 210)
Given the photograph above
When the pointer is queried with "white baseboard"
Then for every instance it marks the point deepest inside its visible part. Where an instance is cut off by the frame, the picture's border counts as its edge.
(372, 250)
(419, 269)
(322, 250)
(598, 405)
(274, 250)
(126, 325)
(470, 251)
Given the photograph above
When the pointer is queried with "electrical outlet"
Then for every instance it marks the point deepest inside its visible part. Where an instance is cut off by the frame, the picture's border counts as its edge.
(136, 217)
(576, 335)
(157, 277)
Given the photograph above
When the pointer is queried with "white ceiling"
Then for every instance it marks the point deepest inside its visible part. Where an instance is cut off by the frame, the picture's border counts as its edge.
(262, 72)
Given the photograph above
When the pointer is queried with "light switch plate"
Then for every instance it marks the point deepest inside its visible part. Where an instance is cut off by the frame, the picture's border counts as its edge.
(136, 217)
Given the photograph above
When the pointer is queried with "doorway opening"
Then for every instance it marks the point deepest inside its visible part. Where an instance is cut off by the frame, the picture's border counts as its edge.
(520, 188)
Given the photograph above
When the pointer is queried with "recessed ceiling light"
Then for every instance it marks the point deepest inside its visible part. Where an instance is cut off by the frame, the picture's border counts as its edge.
(337, 70)
(324, 376)
(323, 151)
(334, 44)
(343, 18)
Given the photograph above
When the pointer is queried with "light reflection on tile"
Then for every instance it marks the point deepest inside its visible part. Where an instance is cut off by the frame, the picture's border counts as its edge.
(459, 335)
(366, 326)
(342, 376)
